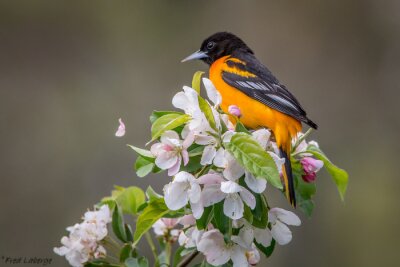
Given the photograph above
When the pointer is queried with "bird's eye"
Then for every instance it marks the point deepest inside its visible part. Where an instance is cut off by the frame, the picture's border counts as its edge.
(210, 45)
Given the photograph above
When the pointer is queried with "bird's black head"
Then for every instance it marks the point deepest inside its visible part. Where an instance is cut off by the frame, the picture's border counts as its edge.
(218, 45)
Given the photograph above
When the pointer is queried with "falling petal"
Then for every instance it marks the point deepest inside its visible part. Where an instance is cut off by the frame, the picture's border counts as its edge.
(121, 129)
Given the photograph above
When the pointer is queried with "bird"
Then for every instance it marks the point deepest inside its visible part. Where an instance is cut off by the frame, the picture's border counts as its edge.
(243, 81)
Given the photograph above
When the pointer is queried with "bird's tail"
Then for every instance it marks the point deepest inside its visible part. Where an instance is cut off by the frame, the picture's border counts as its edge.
(287, 174)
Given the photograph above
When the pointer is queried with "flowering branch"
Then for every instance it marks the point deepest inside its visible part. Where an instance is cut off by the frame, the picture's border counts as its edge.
(214, 204)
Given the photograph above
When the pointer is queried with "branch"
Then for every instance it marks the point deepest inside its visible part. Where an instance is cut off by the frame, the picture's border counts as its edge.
(187, 260)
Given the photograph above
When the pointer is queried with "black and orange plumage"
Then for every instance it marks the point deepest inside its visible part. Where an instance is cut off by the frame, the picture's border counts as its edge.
(244, 81)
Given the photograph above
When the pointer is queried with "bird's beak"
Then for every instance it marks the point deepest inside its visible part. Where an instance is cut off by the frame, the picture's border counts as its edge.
(196, 55)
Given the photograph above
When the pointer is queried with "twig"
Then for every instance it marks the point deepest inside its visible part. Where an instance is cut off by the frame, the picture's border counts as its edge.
(187, 260)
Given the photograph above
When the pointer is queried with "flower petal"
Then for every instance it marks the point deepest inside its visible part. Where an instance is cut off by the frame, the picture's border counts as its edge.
(212, 245)
(230, 187)
(194, 192)
(121, 129)
(175, 195)
(262, 137)
(175, 169)
(219, 159)
(166, 160)
(181, 101)
(212, 92)
(257, 185)
(281, 233)
(263, 236)
(208, 155)
(233, 206)
(197, 208)
(285, 216)
(210, 178)
(212, 194)
(238, 256)
(184, 177)
(248, 198)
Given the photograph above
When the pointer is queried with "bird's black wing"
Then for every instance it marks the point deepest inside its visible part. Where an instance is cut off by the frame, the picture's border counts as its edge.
(249, 76)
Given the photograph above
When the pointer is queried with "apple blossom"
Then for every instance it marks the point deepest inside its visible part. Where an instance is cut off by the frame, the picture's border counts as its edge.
(170, 152)
(235, 111)
(165, 227)
(310, 166)
(279, 219)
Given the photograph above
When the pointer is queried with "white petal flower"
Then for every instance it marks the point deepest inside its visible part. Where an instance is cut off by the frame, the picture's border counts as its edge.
(212, 92)
(121, 129)
(182, 189)
(208, 155)
(82, 244)
(213, 246)
(262, 137)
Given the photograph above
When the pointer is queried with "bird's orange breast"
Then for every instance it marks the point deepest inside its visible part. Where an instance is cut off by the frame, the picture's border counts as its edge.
(254, 113)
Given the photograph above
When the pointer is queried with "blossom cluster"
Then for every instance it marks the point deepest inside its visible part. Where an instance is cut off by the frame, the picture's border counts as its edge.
(214, 201)
(83, 243)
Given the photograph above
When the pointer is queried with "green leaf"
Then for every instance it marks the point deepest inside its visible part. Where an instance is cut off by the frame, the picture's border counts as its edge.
(206, 108)
(195, 150)
(221, 221)
(254, 158)
(266, 250)
(129, 233)
(260, 212)
(205, 218)
(340, 176)
(143, 167)
(157, 114)
(128, 199)
(166, 123)
(142, 152)
(154, 211)
(118, 225)
(196, 81)
(151, 194)
(125, 252)
(193, 165)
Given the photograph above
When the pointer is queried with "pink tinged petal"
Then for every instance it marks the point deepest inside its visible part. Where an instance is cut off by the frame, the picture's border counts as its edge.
(281, 233)
(208, 155)
(167, 136)
(170, 222)
(211, 195)
(230, 187)
(175, 195)
(233, 206)
(285, 216)
(157, 148)
(263, 236)
(189, 139)
(257, 185)
(212, 92)
(212, 245)
(175, 169)
(159, 227)
(197, 209)
(121, 129)
(238, 256)
(187, 220)
(166, 160)
(185, 156)
(309, 177)
(262, 137)
(248, 198)
(210, 178)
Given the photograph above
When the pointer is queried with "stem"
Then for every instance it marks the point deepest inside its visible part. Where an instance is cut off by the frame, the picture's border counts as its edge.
(167, 253)
(151, 244)
(188, 259)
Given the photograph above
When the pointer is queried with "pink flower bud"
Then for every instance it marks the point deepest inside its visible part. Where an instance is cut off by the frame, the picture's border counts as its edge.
(310, 166)
(235, 111)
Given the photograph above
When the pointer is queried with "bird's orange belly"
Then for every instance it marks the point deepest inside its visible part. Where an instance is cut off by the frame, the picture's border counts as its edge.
(254, 113)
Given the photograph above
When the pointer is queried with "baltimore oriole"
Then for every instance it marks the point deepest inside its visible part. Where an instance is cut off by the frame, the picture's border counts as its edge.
(244, 81)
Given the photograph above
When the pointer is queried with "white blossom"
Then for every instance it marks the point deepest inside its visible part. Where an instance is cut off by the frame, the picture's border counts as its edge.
(82, 244)
(171, 150)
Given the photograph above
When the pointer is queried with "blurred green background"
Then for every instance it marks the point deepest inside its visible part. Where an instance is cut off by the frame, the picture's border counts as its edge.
(70, 69)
